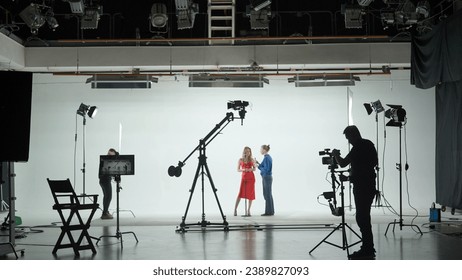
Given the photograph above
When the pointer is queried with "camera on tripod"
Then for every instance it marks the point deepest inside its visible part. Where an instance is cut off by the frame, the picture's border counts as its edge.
(328, 159)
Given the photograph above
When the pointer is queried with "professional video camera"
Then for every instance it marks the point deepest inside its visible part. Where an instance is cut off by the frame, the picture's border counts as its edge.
(239, 105)
(329, 159)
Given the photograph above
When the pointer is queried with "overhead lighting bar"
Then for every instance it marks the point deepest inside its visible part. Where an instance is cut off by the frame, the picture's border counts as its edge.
(228, 81)
(121, 81)
(325, 80)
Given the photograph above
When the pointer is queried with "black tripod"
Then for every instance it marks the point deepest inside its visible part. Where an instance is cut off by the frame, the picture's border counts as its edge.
(203, 171)
(400, 169)
(118, 232)
(340, 211)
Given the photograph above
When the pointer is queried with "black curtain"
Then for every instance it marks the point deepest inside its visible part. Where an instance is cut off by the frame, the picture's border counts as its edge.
(449, 144)
(437, 62)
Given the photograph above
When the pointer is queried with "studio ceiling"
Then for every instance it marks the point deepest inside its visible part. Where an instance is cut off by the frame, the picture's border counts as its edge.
(130, 20)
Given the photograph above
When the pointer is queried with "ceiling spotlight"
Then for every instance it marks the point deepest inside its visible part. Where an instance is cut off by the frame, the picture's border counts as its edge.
(353, 16)
(423, 8)
(374, 106)
(90, 17)
(259, 15)
(33, 17)
(87, 110)
(52, 21)
(158, 15)
(186, 11)
(396, 114)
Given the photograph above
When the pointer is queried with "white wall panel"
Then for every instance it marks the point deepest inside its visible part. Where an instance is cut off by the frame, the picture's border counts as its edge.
(163, 124)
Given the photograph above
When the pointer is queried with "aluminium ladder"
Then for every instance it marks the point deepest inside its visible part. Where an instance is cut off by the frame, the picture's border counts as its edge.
(221, 22)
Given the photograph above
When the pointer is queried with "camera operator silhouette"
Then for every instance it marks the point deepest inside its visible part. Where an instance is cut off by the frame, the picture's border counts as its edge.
(363, 160)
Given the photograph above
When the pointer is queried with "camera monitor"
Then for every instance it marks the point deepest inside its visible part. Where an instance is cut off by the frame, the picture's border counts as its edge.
(117, 165)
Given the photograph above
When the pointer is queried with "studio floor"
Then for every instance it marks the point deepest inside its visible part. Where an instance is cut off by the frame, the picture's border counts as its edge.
(281, 237)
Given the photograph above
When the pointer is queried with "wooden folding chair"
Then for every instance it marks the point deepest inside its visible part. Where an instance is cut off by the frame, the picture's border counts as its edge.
(66, 201)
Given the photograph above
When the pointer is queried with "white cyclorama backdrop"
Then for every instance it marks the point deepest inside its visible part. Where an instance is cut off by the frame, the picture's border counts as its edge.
(163, 125)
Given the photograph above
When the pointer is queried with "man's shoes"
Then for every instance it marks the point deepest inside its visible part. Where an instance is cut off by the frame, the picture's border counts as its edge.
(362, 255)
(106, 216)
(267, 214)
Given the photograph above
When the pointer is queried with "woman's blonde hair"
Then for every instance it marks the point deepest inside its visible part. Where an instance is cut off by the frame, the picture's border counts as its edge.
(249, 158)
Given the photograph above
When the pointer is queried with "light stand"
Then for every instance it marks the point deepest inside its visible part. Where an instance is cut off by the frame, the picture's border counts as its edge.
(10, 221)
(117, 166)
(83, 111)
(340, 211)
(377, 108)
(398, 119)
(3, 205)
(203, 171)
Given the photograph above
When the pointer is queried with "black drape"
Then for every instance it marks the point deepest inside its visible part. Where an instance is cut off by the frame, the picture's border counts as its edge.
(449, 144)
(436, 56)
(437, 61)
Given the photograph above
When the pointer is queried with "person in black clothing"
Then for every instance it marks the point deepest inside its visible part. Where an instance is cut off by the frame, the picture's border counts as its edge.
(363, 160)
(105, 181)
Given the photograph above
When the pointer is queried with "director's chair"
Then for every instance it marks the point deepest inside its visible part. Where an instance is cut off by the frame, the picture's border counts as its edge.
(66, 200)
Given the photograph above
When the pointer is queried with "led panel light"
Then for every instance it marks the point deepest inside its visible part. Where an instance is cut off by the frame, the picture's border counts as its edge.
(320, 81)
(228, 81)
(121, 81)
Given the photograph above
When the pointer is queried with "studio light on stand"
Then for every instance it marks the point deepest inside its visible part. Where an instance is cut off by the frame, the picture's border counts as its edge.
(84, 111)
(376, 107)
(397, 116)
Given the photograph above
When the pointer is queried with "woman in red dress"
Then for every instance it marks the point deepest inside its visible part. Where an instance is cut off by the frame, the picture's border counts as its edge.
(246, 165)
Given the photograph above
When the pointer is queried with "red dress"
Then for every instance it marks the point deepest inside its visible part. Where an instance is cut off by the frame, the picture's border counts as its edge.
(247, 190)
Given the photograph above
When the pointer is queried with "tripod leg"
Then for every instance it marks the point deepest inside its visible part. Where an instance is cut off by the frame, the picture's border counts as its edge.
(215, 193)
(325, 238)
(183, 219)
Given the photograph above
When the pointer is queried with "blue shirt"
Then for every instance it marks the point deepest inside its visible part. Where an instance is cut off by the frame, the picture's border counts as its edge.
(266, 166)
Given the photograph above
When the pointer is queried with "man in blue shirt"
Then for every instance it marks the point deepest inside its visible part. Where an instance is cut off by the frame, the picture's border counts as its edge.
(266, 167)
